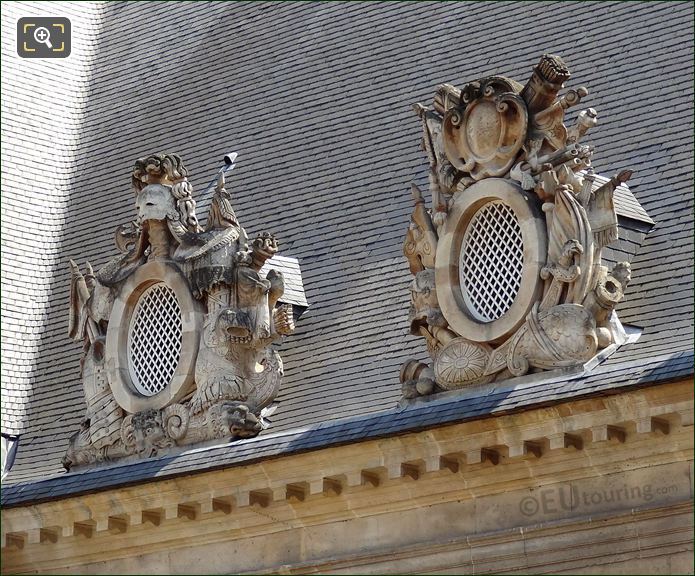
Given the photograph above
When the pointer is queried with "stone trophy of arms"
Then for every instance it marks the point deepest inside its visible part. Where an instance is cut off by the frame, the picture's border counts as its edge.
(508, 276)
(176, 329)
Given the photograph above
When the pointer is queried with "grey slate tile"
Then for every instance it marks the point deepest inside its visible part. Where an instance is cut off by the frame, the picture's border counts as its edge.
(325, 164)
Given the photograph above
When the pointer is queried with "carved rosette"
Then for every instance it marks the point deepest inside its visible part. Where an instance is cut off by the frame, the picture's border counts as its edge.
(507, 263)
(461, 361)
(177, 329)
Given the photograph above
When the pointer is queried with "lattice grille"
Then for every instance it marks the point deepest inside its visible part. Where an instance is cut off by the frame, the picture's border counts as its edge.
(491, 261)
(154, 339)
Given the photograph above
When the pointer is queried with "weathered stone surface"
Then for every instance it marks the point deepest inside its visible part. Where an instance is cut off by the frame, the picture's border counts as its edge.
(515, 234)
(177, 329)
(401, 506)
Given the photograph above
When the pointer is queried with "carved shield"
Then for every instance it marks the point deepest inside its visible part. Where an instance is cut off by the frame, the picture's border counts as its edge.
(484, 137)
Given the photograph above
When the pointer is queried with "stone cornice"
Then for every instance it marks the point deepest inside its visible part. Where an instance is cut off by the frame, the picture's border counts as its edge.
(563, 443)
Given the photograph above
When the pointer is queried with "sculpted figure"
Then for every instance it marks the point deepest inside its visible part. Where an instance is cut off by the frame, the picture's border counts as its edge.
(151, 431)
(90, 304)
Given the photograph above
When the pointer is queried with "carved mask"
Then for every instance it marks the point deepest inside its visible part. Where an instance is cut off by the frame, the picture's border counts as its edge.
(424, 307)
(145, 433)
(155, 202)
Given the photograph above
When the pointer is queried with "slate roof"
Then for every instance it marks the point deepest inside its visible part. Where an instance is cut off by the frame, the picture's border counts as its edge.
(316, 98)
(504, 398)
(41, 106)
(292, 274)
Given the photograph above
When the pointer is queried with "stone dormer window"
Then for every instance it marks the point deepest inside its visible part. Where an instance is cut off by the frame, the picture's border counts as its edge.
(177, 330)
(154, 339)
(491, 261)
(490, 248)
(509, 276)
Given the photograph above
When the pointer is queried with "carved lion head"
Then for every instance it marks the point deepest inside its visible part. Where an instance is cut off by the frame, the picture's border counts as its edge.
(144, 433)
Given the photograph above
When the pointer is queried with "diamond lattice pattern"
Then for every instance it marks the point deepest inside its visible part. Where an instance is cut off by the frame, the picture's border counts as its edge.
(491, 261)
(154, 339)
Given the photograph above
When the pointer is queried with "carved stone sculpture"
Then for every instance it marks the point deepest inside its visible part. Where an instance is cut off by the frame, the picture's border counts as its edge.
(507, 263)
(177, 329)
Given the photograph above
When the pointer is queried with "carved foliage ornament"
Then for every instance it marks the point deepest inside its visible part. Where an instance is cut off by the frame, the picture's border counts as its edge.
(177, 329)
(507, 263)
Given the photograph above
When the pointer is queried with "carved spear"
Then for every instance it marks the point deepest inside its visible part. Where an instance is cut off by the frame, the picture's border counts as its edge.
(438, 202)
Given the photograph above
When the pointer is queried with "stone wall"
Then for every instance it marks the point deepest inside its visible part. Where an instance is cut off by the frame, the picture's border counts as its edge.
(601, 485)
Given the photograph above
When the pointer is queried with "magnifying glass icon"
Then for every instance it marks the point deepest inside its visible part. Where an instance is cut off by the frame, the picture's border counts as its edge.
(43, 36)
